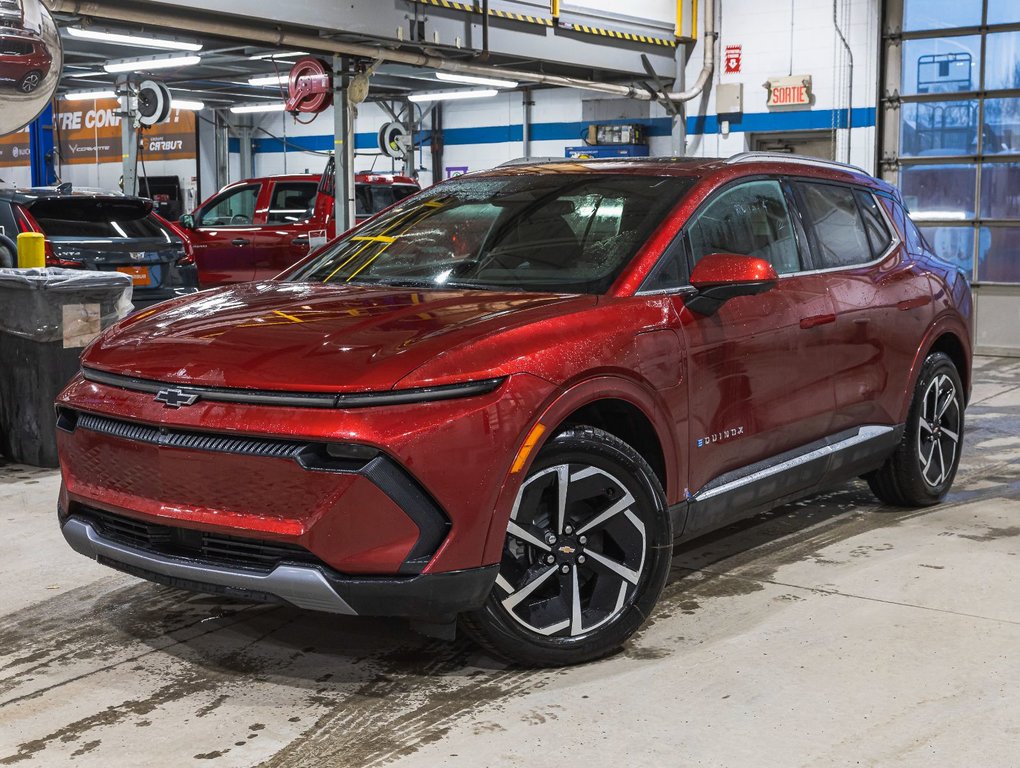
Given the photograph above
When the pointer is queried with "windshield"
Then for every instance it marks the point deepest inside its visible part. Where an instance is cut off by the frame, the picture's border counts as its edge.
(562, 233)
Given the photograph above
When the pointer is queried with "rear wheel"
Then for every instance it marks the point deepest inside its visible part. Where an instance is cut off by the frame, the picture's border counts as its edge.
(921, 471)
(586, 554)
(30, 81)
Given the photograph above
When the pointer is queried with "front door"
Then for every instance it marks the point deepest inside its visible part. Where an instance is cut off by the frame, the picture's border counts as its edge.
(224, 237)
(759, 385)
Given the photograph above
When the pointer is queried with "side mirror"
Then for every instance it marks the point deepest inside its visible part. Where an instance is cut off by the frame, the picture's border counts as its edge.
(720, 277)
(187, 221)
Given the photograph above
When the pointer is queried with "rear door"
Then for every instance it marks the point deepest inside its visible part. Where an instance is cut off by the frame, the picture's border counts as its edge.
(289, 220)
(225, 234)
(757, 376)
(882, 299)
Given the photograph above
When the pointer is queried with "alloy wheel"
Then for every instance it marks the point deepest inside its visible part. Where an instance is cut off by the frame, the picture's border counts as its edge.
(938, 434)
(575, 551)
(30, 83)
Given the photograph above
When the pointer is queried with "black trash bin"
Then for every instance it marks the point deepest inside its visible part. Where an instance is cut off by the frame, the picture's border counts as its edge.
(47, 316)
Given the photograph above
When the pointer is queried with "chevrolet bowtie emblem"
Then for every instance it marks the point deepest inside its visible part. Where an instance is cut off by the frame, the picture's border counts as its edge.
(566, 550)
(175, 398)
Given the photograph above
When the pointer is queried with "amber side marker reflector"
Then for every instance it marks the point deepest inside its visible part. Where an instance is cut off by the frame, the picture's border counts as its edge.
(522, 455)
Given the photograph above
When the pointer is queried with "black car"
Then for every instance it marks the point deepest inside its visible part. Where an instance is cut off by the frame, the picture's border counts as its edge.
(102, 232)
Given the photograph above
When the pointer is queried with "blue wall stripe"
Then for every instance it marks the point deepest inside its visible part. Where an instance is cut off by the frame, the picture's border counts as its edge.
(801, 120)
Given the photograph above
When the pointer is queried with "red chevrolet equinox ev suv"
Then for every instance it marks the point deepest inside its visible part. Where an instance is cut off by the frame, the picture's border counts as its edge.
(506, 398)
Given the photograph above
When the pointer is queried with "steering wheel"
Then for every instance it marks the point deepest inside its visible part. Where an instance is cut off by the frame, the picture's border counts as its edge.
(239, 219)
(8, 252)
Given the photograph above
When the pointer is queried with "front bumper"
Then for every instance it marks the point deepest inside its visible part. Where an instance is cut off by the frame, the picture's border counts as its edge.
(312, 587)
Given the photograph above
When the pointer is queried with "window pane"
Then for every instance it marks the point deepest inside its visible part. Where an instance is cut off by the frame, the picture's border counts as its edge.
(940, 14)
(953, 244)
(839, 230)
(941, 65)
(943, 192)
(939, 128)
(1001, 11)
(1003, 49)
(750, 220)
(999, 254)
(1000, 195)
(1002, 126)
(291, 202)
(878, 232)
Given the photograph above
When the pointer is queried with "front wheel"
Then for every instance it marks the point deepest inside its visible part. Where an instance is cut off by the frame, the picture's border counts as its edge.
(586, 555)
(922, 469)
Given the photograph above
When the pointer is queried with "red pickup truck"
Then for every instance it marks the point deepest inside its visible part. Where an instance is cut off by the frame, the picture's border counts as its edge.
(255, 229)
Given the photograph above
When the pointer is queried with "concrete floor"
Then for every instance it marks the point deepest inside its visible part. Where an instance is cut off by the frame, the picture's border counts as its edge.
(832, 632)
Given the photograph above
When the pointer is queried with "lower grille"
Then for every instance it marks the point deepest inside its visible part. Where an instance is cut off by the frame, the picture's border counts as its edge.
(210, 548)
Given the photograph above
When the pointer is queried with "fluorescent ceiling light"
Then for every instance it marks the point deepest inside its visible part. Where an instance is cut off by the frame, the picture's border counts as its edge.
(265, 106)
(478, 93)
(148, 63)
(186, 104)
(84, 74)
(269, 79)
(278, 55)
(86, 95)
(472, 80)
(142, 42)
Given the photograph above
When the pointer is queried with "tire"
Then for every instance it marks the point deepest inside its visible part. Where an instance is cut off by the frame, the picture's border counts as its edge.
(610, 557)
(921, 471)
(8, 255)
(30, 81)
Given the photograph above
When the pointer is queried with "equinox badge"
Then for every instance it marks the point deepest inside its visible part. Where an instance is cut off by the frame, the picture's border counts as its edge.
(175, 398)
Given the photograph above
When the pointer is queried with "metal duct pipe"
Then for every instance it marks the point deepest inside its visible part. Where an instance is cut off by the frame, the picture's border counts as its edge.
(224, 27)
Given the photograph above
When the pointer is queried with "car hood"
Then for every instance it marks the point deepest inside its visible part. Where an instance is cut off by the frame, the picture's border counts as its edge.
(312, 337)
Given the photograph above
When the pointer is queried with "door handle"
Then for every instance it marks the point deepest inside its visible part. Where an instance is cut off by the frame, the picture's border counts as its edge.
(239, 241)
(300, 240)
(815, 320)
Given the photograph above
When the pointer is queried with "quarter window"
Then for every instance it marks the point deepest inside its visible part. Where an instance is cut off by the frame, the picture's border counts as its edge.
(840, 236)
(751, 219)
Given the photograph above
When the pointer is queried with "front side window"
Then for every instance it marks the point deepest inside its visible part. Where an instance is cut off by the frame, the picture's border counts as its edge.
(840, 237)
(291, 201)
(235, 207)
(564, 233)
(751, 219)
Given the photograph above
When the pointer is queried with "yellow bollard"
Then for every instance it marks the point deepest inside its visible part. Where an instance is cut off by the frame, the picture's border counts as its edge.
(31, 250)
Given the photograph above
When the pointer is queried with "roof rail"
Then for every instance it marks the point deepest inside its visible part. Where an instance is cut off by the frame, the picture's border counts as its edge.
(750, 157)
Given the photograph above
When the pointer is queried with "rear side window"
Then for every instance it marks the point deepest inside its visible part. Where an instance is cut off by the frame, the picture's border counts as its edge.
(82, 218)
(9, 47)
(291, 201)
(751, 219)
(874, 223)
(840, 237)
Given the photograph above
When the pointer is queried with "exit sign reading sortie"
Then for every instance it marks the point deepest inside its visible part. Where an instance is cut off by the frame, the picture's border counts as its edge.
(794, 91)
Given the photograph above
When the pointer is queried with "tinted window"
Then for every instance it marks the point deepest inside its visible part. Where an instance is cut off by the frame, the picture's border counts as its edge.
(751, 219)
(9, 47)
(236, 206)
(840, 237)
(85, 218)
(552, 232)
(874, 223)
(382, 196)
(670, 272)
(291, 201)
